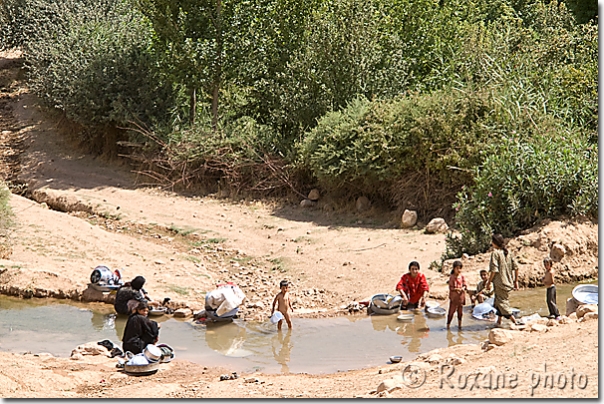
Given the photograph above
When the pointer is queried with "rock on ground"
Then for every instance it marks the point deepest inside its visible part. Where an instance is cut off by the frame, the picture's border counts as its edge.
(409, 219)
(586, 308)
(500, 336)
(436, 225)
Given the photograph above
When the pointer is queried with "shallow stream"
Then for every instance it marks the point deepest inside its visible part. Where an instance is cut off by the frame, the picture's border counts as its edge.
(314, 345)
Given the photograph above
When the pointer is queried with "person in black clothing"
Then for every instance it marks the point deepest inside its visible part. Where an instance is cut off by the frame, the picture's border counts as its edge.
(140, 331)
(129, 295)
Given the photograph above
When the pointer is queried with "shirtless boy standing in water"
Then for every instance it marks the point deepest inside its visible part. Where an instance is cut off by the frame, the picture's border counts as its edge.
(284, 306)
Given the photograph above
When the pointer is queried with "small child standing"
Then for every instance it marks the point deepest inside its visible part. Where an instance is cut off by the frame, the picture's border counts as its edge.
(550, 293)
(284, 304)
(457, 294)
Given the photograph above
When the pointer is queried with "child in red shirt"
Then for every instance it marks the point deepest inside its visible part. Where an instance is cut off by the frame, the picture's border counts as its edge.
(413, 288)
(457, 293)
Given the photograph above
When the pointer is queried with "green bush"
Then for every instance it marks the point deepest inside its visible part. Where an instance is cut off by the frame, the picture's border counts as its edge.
(91, 60)
(523, 182)
(372, 144)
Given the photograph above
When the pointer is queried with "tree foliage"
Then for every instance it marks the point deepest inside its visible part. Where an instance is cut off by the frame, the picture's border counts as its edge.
(357, 95)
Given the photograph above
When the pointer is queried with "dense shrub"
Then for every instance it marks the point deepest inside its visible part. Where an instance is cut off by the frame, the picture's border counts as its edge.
(372, 145)
(523, 182)
(91, 60)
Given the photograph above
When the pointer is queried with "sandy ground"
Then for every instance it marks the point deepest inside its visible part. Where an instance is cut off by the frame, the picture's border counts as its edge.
(81, 212)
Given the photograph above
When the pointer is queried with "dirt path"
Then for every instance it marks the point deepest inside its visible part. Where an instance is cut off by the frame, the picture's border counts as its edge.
(82, 212)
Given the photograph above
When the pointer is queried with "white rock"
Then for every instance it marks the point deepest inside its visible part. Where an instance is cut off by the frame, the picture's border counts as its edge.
(436, 225)
(455, 361)
(259, 305)
(538, 327)
(409, 219)
(564, 320)
(76, 357)
(499, 336)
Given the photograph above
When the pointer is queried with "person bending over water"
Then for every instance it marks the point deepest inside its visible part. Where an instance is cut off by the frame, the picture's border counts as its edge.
(130, 294)
(413, 288)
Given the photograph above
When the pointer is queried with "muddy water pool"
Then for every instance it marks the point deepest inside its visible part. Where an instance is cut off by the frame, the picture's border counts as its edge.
(313, 346)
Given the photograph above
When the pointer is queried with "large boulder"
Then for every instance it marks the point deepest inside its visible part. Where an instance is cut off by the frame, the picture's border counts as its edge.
(92, 295)
(409, 219)
(436, 225)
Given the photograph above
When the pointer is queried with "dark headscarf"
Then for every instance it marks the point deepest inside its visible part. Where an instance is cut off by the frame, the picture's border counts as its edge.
(138, 282)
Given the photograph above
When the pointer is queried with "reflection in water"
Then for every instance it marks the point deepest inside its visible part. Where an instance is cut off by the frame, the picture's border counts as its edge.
(282, 348)
(415, 331)
(227, 339)
(382, 323)
(101, 321)
(455, 338)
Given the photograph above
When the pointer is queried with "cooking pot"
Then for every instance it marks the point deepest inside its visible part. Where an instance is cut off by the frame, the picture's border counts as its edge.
(152, 353)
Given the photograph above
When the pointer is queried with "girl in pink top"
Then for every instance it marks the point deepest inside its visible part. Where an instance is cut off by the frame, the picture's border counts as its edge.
(457, 293)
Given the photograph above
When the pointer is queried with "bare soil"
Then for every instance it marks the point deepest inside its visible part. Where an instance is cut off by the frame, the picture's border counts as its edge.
(78, 211)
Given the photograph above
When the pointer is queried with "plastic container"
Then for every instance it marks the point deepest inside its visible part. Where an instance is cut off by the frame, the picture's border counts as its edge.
(276, 317)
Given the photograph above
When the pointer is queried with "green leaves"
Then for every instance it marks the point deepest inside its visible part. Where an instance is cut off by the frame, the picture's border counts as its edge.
(523, 182)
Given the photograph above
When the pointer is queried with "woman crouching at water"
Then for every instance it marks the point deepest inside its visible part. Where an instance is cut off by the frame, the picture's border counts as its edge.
(140, 331)
(413, 288)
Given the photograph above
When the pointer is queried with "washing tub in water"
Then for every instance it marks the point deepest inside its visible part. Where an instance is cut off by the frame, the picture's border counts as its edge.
(384, 303)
